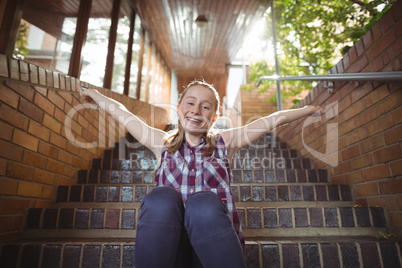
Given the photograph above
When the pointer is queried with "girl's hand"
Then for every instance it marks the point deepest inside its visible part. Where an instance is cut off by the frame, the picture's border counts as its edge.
(314, 109)
(85, 94)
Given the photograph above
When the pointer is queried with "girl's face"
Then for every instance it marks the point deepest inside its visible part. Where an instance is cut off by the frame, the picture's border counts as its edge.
(196, 110)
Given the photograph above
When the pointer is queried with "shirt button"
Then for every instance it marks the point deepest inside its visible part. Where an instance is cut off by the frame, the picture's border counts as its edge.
(191, 191)
(192, 170)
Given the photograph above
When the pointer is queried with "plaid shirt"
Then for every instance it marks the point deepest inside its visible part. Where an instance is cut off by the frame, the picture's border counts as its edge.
(188, 171)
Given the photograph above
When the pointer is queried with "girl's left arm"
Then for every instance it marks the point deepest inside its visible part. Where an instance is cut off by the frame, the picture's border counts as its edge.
(237, 138)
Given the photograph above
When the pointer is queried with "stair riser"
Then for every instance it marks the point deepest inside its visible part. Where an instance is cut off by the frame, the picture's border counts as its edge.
(241, 193)
(250, 218)
(259, 255)
(238, 176)
(324, 255)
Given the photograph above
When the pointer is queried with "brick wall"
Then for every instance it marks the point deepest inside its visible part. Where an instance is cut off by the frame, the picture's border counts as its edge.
(361, 131)
(35, 153)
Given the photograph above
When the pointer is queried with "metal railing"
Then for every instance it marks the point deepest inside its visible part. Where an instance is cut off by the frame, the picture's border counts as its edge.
(330, 78)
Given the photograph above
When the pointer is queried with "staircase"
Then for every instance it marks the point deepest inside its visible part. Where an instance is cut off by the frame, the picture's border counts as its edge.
(291, 216)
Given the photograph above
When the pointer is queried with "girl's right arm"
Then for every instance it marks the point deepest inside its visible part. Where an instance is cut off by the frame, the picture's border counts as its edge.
(150, 137)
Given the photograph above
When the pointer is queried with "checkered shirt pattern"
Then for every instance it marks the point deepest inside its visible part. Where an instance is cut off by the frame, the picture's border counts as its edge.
(188, 171)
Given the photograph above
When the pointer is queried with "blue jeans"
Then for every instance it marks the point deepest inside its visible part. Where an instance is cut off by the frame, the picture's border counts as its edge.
(200, 235)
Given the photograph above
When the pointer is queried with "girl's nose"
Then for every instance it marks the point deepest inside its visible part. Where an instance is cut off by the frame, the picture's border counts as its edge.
(195, 110)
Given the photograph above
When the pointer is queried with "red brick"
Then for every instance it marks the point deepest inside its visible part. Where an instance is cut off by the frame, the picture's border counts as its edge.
(59, 115)
(3, 166)
(12, 117)
(354, 177)
(43, 176)
(359, 64)
(394, 52)
(346, 61)
(399, 202)
(367, 116)
(386, 40)
(396, 168)
(8, 187)
(14, 69)
(361, 162)
(18, 223)
(25, 140)
(357, 135)
(396, 10)
(376, 95)
(49, 78)
(393, 101)
(112, 219)
(23, 89)
(66, 96)
(380, 124)
(58, 140)
(34, 159)
(29, 189)
(391, 186)
(14, 205)
(395, 218)
(367, 39)
(386, 21)
(44, 104)
(48, 150)
(6, 223)
(352, 54)
(360, 47)
(387, 202)
(388, 153)
(367, 189)
(62, 82)
(55, 166)
(4, 66)
(31, 110)
(353, 110)
(33, 74)
(376, 31)
(371, 144)
(41, 90)
(56, 80)
(342, 167)
(51, 123)
(10, 151)
(19, 171)
(65, 157)
(38, 131)
(6, 131)
(48, 192)
(377, 172)
(8, 96)
(350, 152)
(42, 76)
(393, 135)
(56, 99)
(24, 72)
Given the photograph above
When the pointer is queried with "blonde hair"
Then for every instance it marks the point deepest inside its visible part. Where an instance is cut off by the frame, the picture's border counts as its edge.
(176, 137)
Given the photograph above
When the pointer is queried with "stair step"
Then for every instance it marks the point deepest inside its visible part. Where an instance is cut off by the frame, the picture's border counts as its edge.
(238, 176)
(290, 252)
(255, 221)
(261, 192)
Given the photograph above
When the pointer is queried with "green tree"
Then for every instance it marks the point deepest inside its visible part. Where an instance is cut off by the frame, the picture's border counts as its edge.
(313, 35)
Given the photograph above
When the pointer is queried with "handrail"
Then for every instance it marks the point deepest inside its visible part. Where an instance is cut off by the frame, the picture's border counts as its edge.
(375, 76)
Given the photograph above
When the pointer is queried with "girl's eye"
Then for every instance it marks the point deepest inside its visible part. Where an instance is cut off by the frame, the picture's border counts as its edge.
(190, 103)
(205, 107)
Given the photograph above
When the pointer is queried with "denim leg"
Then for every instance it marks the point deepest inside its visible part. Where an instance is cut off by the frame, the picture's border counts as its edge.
(211, 232)
(159, 229)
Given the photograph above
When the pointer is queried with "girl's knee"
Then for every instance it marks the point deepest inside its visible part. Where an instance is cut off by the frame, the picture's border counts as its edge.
(162, 203)
(205, 207)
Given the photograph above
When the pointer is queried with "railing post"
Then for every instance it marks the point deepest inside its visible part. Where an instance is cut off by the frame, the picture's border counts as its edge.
(277, 71)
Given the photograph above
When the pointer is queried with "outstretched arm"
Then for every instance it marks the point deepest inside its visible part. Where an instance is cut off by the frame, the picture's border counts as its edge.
(150, 137)
(237, 138)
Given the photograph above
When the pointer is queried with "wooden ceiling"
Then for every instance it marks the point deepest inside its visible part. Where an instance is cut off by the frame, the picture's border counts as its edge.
(192, 51)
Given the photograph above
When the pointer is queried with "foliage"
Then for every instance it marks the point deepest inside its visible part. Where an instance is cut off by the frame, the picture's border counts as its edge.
(312, 35)
(21, 43)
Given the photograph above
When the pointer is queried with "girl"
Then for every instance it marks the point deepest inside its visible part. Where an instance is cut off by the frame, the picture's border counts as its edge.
(191, 219)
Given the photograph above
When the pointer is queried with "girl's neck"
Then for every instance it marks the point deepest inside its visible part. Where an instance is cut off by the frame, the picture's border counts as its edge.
(193, 139)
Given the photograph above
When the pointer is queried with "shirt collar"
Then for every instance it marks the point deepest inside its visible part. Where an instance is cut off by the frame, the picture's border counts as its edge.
(203, 141)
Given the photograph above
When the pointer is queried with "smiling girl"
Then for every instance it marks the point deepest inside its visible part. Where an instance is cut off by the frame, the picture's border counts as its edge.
(190, 219)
